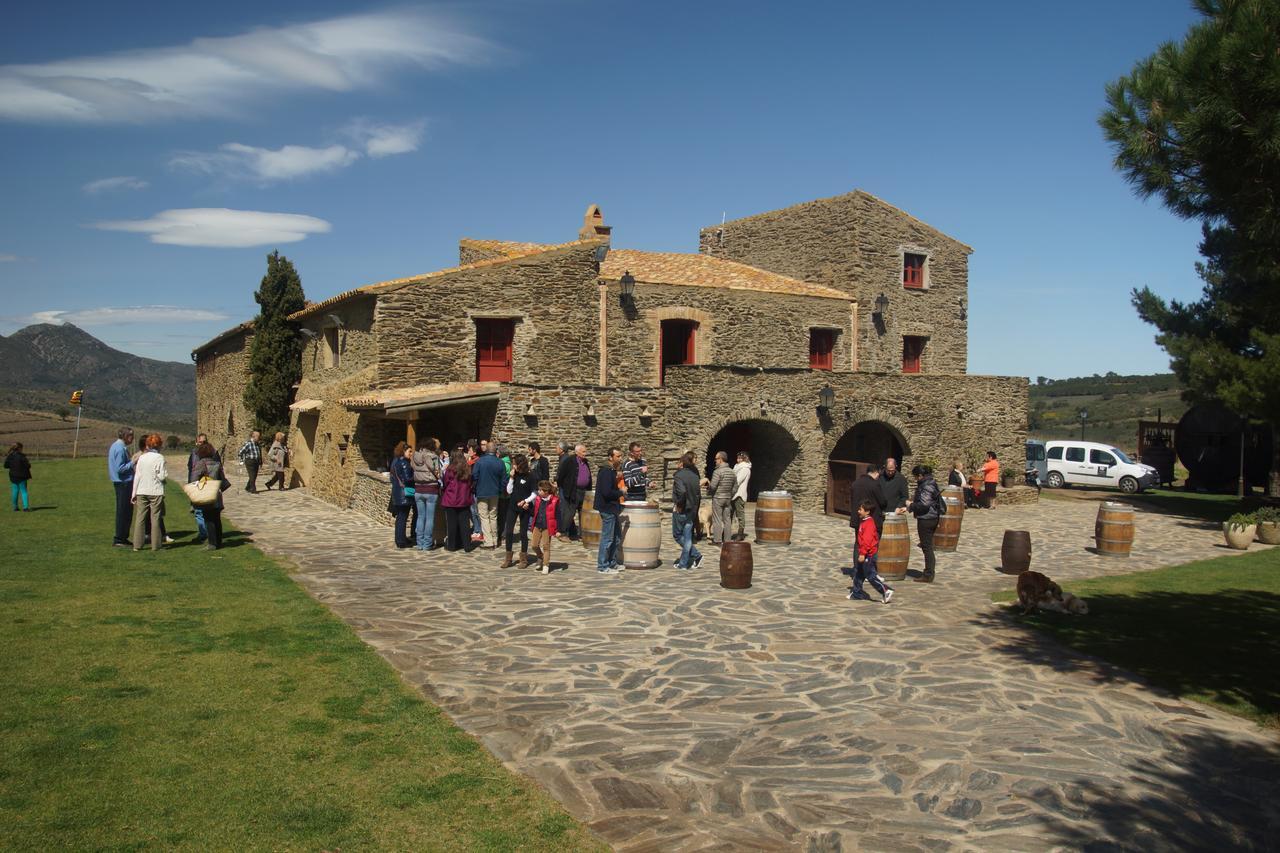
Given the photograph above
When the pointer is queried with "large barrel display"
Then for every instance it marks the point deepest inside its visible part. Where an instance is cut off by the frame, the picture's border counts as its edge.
(589, 521)
(774, 517)
(947, 536)
(1208, 443)
(895, 548)
(641, 534)
(736, 565)
(1113, 530)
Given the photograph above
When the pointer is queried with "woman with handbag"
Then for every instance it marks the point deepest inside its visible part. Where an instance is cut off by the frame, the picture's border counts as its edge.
(206, 467)
(402, 491)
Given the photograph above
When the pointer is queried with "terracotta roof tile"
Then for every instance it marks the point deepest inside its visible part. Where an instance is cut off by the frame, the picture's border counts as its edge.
(705, 271)
(508, 248)
(392, 397)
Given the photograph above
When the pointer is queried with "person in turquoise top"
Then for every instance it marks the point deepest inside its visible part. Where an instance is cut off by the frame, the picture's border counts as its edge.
(120, 470)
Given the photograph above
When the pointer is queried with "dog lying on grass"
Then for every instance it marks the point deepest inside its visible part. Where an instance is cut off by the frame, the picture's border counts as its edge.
(1037, 591)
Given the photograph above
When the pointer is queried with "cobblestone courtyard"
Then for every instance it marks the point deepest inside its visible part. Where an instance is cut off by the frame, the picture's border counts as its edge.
(668, 713)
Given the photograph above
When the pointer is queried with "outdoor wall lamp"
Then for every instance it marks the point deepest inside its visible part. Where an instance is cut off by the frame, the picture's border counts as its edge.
(882, 305)
(530, 411)
(335, 320)
(826, 397)
(628, 283)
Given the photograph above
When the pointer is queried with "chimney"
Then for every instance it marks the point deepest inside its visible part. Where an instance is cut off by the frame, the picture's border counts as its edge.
(593, 224)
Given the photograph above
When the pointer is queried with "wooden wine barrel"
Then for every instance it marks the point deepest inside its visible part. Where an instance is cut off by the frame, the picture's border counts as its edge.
(895, 548)
(589, 521)
(1113, 531)
(1015, 552)
(642, 534)
(736, 565)
(947, 537)
(774, 517)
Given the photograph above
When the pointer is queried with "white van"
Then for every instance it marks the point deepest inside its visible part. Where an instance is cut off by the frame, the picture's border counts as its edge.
(1088, 463)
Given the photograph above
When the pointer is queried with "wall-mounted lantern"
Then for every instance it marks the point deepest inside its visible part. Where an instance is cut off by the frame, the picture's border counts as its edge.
(882, 305)
(645, 412)
(530, 411)
(628, 282)
(826, 398)
(591, 411)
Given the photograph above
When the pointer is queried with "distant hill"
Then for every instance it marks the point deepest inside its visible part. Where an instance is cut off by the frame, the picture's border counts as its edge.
(1115, 404)
(42, 364)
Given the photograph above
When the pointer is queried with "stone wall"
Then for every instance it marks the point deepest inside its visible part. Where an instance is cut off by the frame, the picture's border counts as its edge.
(222, 372)
(370, 494)
(745, 327)
(427, 331)
(855, 243)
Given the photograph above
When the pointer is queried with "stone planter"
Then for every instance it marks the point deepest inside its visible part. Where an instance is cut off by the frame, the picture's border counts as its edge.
(1239, 537)
(1269, 532)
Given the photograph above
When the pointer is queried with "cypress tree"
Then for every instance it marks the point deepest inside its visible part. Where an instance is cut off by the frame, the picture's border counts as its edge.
(275, 359)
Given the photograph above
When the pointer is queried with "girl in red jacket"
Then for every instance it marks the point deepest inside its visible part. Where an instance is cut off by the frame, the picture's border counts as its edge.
(868, 545)
(544, 524)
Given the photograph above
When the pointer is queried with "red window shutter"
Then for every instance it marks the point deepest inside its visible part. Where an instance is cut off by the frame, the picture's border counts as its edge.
(494, 360)
(821, 345)
(912, 349)
(912, 270)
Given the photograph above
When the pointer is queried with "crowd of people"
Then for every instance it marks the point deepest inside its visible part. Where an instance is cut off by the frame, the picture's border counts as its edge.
(490, 498)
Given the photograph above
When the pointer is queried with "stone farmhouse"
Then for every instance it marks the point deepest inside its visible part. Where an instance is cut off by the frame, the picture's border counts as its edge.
(818, 337)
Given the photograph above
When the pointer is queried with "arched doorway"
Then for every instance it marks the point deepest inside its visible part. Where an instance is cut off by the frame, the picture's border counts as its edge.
(864, 443)
(772, 450)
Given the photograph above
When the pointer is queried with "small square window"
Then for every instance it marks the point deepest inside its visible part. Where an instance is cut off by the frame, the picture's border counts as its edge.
(821, 346)
(912, 353)
(913, 270)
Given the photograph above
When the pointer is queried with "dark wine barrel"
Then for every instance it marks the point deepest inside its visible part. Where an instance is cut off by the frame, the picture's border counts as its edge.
(1113, 531)
(774, 517)
(947, 537)
(1208, 443)
(895, 548)
(1015, 552)
(736, 565)
(589, 521)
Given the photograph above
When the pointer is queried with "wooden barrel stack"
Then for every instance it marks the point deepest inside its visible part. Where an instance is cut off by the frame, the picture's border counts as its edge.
(736, 565)
(589, 521)
(947, 537)
(774, 517)
(1113, 531)
(642, 534)
(895, 548)
(1015, 552)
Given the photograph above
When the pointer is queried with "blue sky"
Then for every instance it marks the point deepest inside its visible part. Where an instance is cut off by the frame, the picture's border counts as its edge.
(363, 141)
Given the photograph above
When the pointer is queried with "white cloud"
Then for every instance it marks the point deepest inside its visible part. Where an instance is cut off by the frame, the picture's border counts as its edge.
(132, 314)
(123, 182)
(245, 162)
(5, 259)
(219, 227)
(219, 76)
(384, 140)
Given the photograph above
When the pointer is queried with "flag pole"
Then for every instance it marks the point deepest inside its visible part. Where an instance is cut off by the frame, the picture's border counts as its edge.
(75, 448)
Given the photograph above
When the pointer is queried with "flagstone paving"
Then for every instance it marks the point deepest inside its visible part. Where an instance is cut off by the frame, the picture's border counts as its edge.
(668, 713)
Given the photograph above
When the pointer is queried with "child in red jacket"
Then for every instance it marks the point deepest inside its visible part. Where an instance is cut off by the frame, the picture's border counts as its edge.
(544, 524)
(868, 545)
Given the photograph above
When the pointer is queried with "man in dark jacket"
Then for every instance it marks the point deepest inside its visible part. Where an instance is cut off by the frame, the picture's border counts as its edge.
(573, 476)
(608, 503)
(893, 486)
(927, 508)
(685, 499)
(867, 487)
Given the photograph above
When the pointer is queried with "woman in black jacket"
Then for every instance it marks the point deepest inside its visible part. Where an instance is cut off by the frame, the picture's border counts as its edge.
(521, 487)
(19, 473)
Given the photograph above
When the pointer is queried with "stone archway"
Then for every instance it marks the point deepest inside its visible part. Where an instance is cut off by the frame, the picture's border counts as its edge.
(801, 475)
(771, 448)
(867, 441)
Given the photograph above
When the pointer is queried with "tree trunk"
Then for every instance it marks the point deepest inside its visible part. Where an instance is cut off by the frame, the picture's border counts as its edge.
(1273, 477)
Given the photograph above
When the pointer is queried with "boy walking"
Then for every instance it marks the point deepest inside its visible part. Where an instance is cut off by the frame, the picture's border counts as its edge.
(868, 545)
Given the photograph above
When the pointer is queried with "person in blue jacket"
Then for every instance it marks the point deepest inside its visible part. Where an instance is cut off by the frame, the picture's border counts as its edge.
(120, 470)
(490, 478)
(609, 498)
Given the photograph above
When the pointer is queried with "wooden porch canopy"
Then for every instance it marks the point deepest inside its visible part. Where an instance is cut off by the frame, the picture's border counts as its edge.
(407, 402)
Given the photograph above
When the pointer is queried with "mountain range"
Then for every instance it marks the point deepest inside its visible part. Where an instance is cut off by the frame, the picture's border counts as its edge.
(41, 365)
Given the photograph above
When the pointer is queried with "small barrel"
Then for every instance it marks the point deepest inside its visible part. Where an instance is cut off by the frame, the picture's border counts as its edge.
(947, 537)
(895, 548)
(736, 565)
(774, 517)
(641, 534)
(1113, 531)
(1015, 552)
(589, 521)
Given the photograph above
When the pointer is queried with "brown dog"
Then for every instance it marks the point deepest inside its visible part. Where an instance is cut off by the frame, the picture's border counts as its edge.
(1037, 591)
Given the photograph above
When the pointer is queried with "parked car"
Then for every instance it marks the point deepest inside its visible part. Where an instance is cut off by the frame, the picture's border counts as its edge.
(1088, 463)
(1037, 467)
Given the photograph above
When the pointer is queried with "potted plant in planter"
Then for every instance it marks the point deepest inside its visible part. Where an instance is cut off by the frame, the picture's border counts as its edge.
(1239, 530)
(1268, 520)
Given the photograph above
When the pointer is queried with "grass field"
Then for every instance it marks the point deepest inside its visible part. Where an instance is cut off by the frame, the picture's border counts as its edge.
(1208, 630)
(199, 700)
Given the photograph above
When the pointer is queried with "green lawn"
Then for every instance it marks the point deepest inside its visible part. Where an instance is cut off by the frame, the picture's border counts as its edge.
(200, 700)
(1208, 507)
(1208, 630)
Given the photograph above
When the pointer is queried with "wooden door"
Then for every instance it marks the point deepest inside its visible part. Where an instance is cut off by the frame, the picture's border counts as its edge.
(493, 349)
